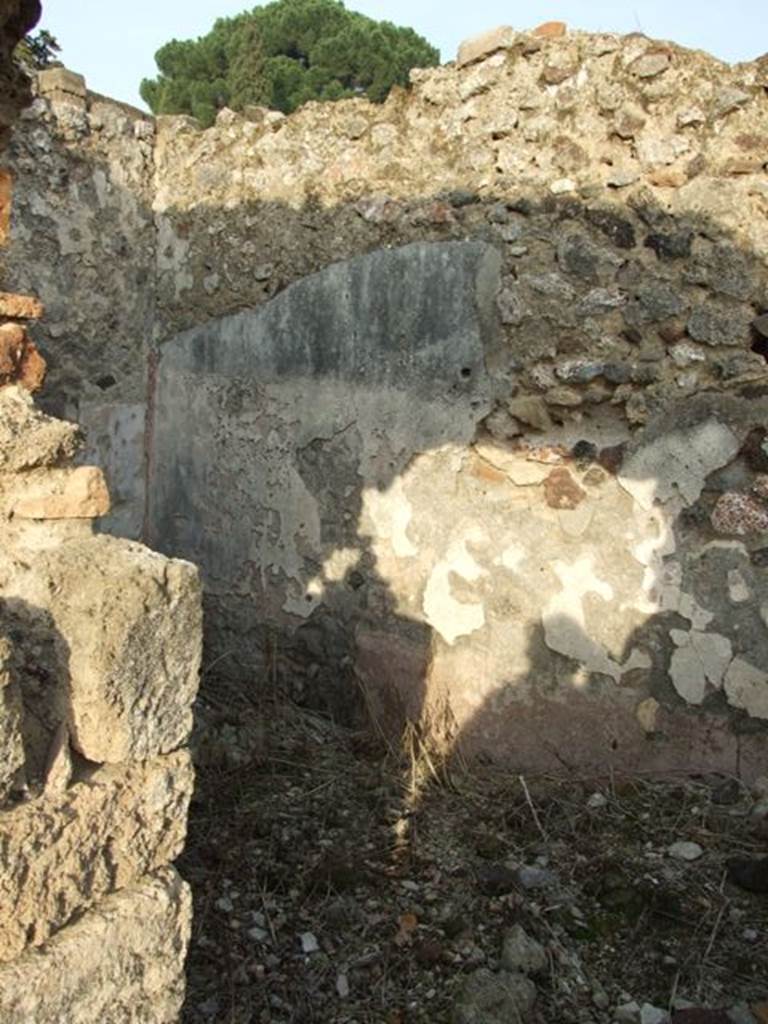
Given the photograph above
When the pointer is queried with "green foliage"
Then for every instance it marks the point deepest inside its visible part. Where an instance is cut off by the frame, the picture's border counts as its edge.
(282, 55)
(38, 50)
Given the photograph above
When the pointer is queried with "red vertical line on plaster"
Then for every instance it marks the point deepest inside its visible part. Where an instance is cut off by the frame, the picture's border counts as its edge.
(153, 359)
(6, 191)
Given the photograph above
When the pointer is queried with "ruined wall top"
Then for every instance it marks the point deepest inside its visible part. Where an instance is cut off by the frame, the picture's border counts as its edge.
(573, 113)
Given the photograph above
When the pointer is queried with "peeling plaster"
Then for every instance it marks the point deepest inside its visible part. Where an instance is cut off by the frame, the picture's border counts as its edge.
(700, 659)
(450, 617)
(390, 512)
(747, 687)
(676, 465)
(513, 557)
(564, 620)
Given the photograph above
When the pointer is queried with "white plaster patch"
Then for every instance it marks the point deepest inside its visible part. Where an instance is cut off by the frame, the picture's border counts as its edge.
(738, 591)
(677, 464)
(747, 688)
(305, 602)
(339, 563)
(647, 712)
(564, 620)
(390, 512)
(513, 557)
(450, 617)
(701, 659)
(575, 522)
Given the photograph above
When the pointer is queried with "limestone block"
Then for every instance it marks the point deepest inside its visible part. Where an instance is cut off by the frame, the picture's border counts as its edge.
(20, 307)
(64, 853)
(123, 961)
(479, 47)
(76, 493)
(128, 636)
(29, 438)
(11, 745)
(62, 85)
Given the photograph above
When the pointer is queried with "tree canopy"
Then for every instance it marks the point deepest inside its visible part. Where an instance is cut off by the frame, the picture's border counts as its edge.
(281, 55)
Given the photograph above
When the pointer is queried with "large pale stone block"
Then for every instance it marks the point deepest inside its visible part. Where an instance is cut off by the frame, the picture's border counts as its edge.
(62, 85)
(479, 47)
(79, 492)
(127, 632)
(62, 854)
(122, 962)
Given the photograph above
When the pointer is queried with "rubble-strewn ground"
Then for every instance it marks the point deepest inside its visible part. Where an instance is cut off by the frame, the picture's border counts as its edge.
(336, 882)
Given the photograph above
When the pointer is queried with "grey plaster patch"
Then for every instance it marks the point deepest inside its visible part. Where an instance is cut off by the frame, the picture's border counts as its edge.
(282, 433)
(747, 687)
(677, 464)
(701, 659)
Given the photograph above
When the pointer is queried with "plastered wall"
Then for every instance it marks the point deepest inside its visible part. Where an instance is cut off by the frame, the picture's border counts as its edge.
(457, 401)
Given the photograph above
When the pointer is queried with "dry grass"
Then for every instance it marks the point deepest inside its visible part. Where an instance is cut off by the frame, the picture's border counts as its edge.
(394, 861)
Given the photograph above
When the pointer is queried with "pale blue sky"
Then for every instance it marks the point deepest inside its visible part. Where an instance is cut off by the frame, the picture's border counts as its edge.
(113, 44)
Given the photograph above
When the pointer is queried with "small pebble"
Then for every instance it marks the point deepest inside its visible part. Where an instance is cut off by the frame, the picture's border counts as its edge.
(685, 851)
(653, 1015)
(535, 878)
(627, 1013)
(597, 801)
(309, 943)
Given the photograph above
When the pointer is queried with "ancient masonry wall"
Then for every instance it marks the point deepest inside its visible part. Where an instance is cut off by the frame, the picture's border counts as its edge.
(459, 400)
(99, 655)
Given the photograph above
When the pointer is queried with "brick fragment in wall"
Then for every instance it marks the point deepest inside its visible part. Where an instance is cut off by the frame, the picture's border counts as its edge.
(123, 821)
(20, 361)
(73, 493)
(550, 30)
(123, 960)
(20, 307)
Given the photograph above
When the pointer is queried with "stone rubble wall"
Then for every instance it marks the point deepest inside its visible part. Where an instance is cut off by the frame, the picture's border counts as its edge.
(82, 237)
(539, 525)
(100, 646)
